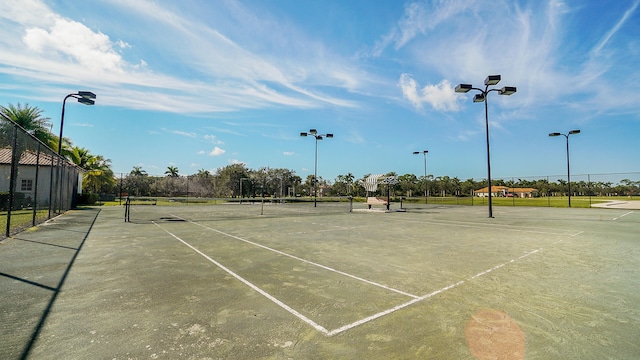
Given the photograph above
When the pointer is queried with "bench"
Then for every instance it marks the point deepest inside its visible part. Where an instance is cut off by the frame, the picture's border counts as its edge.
(371, 200)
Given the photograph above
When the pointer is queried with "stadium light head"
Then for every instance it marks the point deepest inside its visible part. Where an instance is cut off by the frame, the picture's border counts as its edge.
(555, 134)
(86, 101)
(463, 88)
(478, 98)
(303, 134)
(574, 132)
(492, 80)
(318, 137)
(313, 131)
(416, 152)
(507, 90)
(87, 94)
(329, 136)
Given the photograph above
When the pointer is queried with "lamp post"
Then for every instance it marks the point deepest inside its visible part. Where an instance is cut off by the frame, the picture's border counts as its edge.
(314, 133)
(424, 152)
(482, 97)
(84, 97)
(568, 171)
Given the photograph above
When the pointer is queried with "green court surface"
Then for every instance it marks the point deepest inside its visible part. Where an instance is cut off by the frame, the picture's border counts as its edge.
(290, 281)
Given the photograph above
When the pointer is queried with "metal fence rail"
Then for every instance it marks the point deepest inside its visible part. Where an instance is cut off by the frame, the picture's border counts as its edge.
(36, 183)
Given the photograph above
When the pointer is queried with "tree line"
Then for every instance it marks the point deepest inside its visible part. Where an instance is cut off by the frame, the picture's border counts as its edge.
(237, 180)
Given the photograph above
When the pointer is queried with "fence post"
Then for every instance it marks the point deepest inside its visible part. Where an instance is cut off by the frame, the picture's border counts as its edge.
(12, 177)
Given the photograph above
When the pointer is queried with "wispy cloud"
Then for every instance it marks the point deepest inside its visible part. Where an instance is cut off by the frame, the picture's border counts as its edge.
(603, 42)
(55, 49)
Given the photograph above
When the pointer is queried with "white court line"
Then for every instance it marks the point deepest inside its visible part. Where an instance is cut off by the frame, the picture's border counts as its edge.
(424, 297)
(348, 326)
(623, 215)
(308, 262)
(251, 285)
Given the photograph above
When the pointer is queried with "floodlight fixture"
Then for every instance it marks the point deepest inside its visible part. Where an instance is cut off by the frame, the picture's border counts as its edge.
(86, 101)
(87, 94)
(314, 133)
(572, 132)
(507, 90)
(492, 80)
(482, 97)
(463, 88)
(83, 97)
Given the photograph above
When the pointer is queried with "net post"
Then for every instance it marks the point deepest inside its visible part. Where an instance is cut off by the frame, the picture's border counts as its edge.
(127, 209)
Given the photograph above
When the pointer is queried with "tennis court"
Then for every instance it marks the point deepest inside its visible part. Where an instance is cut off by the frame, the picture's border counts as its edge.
(293, 281)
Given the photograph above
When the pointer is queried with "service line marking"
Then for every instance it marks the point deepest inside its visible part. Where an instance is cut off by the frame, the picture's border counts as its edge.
(307, 320)
(623, 215)
(308, 262)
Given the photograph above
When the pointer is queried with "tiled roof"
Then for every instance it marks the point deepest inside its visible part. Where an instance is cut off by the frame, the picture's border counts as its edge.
(27, 158)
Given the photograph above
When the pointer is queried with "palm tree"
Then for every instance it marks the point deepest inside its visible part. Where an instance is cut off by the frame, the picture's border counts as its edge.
(98, 176)
(32, 120)
(137, 171)
(172, 171)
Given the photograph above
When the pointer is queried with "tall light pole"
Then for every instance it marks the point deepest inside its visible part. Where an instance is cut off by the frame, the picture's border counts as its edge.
(84, 97)
(314, 133)
(568, 169)
(424, 152)
(482, 97)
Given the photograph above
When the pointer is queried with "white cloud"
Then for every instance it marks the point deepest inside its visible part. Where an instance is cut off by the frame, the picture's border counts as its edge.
(65, 51)
(67, 38)
(213, 139)
(184, 133)
(441, 97)
(216, 151)
(288, 153)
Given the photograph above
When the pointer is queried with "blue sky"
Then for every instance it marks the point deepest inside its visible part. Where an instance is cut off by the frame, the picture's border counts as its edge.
(202, 84)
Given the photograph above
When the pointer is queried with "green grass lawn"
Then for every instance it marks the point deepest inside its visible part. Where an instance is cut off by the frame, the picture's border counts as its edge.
(22, 219)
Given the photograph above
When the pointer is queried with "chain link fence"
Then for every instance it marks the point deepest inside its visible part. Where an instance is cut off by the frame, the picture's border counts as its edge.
(35, 183)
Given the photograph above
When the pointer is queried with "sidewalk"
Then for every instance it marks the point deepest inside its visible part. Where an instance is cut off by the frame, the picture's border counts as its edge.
(33, 267)
(631, 205)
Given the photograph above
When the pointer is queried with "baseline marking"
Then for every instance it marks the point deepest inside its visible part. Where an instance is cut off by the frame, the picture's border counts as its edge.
(251, 285)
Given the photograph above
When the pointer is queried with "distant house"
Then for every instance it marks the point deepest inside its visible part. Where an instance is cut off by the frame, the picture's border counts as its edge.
(28, 163)
(504, 191)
